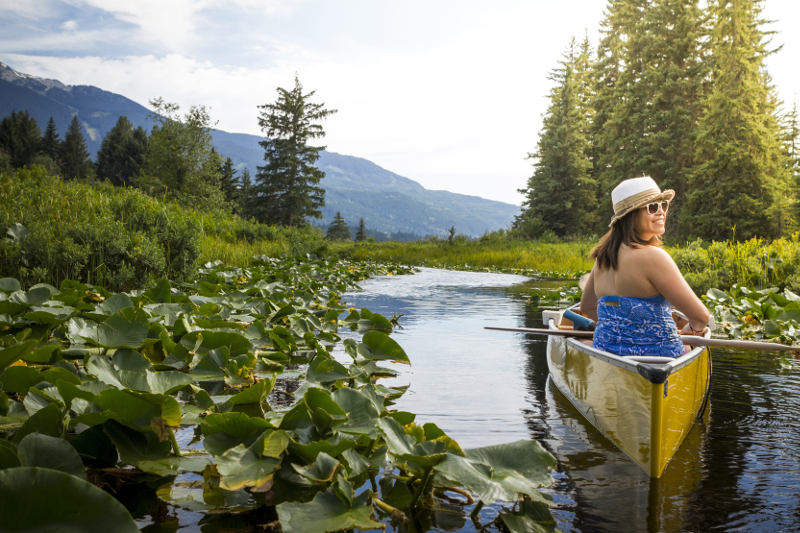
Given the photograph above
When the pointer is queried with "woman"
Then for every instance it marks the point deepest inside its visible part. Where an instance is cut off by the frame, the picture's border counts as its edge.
(634, 280)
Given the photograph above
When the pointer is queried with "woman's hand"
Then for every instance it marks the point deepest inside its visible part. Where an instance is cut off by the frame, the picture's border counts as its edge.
(688, 330)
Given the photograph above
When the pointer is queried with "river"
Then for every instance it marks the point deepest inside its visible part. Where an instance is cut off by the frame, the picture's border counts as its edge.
(738, 470)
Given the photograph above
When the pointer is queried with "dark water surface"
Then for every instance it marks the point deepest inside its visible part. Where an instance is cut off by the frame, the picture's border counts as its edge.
(739, 470)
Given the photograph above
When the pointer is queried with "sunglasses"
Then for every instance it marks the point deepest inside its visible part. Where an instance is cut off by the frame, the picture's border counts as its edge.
(653, 207)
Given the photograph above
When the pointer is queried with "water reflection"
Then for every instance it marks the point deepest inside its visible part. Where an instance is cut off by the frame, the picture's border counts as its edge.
(738, 470)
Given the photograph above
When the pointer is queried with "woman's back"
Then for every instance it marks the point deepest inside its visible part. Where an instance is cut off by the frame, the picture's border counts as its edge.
(633, 274)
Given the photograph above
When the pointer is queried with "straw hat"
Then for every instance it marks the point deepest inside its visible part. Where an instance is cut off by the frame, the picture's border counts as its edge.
(634, 193)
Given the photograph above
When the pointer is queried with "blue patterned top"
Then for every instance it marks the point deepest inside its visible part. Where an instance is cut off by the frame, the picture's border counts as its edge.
(627, 325)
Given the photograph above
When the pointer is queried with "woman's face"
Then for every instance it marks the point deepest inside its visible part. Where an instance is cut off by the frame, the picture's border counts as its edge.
(650, 225)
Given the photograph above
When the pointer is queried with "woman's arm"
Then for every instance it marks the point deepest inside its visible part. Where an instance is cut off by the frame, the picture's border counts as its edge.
(667, 279)
(589, 298)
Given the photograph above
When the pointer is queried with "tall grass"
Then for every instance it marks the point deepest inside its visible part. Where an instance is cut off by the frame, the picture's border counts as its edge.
(543, 259)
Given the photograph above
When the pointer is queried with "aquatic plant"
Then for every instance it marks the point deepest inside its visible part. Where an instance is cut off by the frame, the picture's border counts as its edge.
(745, 313)
(222, 396)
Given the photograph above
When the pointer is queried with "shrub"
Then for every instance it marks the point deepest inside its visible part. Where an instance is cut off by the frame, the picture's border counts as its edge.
(99, 234)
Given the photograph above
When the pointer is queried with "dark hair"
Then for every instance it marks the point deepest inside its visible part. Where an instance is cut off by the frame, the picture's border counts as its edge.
(622, 232)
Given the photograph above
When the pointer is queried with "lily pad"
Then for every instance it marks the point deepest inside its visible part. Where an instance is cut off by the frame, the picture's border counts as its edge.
(50, 452)
(41, 499)
(378, 346)
(327, 512)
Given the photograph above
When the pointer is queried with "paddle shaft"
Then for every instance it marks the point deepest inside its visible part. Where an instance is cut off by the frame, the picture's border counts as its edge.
(686, 339)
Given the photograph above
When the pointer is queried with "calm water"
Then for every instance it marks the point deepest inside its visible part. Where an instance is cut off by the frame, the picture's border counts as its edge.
(737, 471)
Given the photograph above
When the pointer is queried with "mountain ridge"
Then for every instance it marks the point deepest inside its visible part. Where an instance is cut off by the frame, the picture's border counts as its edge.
(358, 188)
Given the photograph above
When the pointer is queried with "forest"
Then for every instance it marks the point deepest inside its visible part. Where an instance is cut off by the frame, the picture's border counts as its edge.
(680, 93)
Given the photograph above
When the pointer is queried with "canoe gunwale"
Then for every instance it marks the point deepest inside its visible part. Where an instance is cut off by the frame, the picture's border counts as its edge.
(653, 375)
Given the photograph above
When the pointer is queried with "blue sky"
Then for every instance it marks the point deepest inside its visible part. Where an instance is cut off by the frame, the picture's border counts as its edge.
(449, 93)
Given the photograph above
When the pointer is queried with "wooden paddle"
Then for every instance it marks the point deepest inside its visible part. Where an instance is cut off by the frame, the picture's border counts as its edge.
(692, 340)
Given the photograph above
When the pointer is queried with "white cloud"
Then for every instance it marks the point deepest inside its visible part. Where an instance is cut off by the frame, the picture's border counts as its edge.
(447, 93)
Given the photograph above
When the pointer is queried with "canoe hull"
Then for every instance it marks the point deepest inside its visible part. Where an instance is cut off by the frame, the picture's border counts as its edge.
(644, 405)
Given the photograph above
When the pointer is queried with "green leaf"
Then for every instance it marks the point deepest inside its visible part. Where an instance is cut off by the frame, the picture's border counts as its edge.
(527, 457)
(396, 439)
(255, 394)
(327, 512)
(334, 447)
(531, 517)
(125, 329)
(9, 285)
(223, 431)
(378, 346)
(113, 304)
(210, 339)
(136, 446)
(245, 466)
(16, 351)
(321, 471)
(50, 452)
(167, 381)
(18, 379)
(362, 414)
(50, 315)
(373, 321)
(139, 410)
(40, 499)
(501, 472)
(771, 329)
(8, 455)
(325, 369)
(47, 420)
(323, 408)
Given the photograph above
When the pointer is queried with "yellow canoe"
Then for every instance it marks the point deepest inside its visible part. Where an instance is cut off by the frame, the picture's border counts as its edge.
(645, 405)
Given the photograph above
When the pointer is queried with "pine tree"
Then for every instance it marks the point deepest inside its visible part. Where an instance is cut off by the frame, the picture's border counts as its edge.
(338, 230)
(20, 137)
(614, 132)
(243, 196)
(74, 156)
(674, 78)
(50, 141)
(121, 154)
(792, 148)
(228, 181)
(561, 187)
(287, 188)
(361, 234)
(742, 171)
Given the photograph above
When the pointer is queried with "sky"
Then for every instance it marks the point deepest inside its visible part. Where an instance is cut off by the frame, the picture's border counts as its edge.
(449, 93)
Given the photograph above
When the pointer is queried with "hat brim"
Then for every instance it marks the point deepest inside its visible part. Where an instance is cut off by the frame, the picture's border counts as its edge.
(667, 195)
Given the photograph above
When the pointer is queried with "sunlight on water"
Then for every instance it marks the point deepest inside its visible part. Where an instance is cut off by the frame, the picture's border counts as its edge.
(738, 470)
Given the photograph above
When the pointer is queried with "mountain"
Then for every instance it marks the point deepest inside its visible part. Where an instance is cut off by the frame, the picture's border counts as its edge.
(388, 203)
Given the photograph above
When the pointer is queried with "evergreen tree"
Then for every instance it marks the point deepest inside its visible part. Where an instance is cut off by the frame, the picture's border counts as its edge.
(741, 179)
(121, 154)
(50, 142)
(180, 160)
(791, 140)
(228, 181)
(674, 78)
(652, 78)
(561, 189)
(338, 230)
(361, 234)
(287, 188)
(615, 70)
(243, 196)
(74, 156)
(19, 138)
